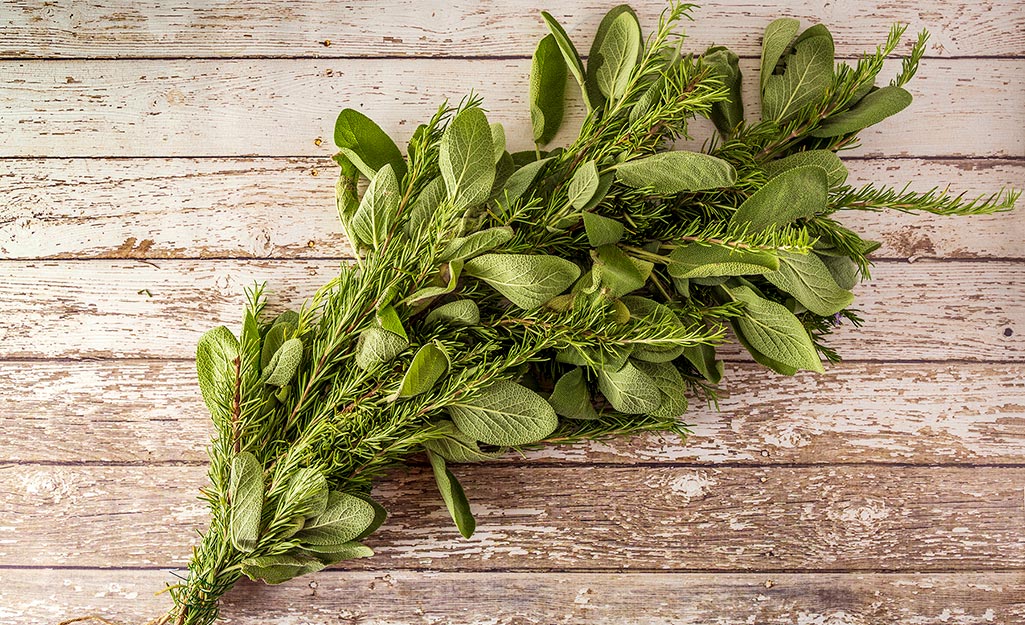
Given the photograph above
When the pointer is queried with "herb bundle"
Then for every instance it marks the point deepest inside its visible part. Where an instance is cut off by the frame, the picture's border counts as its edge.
(501, 301)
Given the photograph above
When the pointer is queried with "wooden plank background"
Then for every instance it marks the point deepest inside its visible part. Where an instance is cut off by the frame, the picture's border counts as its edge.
(157, 158)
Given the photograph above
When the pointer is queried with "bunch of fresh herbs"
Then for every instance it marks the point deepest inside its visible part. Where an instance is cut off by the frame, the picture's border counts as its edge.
(502, 301)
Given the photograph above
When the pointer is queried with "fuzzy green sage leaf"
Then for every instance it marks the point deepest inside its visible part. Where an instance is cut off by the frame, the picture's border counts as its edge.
(505, 414)
(775, 332)
(669, 173)
(245, 492)
(795, 194)
(570, 397)
(366, 144)
(427, 367)
(466, 158)
(454, 497)
(526, 280)
(547, 89)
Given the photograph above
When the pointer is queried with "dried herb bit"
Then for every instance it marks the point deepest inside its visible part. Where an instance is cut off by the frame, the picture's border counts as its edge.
(506, 300)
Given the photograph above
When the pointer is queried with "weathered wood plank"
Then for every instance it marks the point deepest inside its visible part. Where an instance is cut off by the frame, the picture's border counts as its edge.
(124, 29)
(277, 208)
(139, 309)
(566, 518)
(368, 598)
(122, 411)
(278, 107)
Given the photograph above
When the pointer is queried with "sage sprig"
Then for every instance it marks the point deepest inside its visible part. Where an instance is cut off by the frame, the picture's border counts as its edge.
(501, 301)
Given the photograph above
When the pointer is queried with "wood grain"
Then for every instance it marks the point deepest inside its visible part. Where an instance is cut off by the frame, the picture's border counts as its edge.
(159, 308)
(279, 107)
(122, 412)
(342, 597)
(220, 28)
(544, 518)
(157, 146)
(277, 208)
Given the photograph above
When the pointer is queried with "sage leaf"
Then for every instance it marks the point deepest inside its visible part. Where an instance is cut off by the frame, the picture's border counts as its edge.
(614, 54)
(380, 514)
(570, 397)
(454, 269)
(808, 279)
(503, 170)
(505, 414)
(455, 446)
(670, 384)
(569, 53)
(426, 368)
(808, 74)
(583, 184)
(604, 184)
(284, 363)
(359, 136)
(547, 89)
(620, 313)
(651, 96)
(520, 181)
(333, 554)
(774, 331)
(602, 230)
(344, 519)
(290, 317)
(378, 209)
(703, 358)
(644, 311)
(818, 30)
(453, 496)
(629, 390)
(697, 260)
(668, 173)
(462, 248)
(461, 312)
(759, 357)
(794, 194)
(725, 65)
(682, 287)
(528, 281)
(836, 172)
(377, 345)
(778, 35)
(347, 203)
(618, 273)
(466, 158)
(245, 494)
(273, 340)
(307, 494)
(872, 109)
(279, 568)
(216, 356)
(422, 209)
(843, 269)
(388, 319)
(611, 357)
(498, 140)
